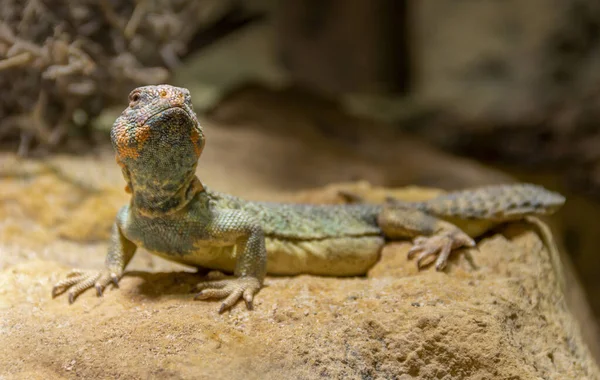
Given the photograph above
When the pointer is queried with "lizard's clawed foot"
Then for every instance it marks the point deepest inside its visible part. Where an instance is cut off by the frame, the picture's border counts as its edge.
(78, 281)
(232, 289)
(440, 245)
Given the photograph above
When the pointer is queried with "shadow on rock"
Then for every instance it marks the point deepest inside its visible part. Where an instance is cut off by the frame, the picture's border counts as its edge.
(158, 285)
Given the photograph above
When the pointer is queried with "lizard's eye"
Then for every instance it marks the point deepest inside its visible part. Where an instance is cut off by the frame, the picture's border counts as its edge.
(134, 98)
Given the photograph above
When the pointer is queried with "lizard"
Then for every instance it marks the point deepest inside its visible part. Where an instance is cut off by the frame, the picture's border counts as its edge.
(158, 142)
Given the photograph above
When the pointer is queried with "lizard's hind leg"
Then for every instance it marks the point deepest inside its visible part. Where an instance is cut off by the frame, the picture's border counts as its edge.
(433, 237)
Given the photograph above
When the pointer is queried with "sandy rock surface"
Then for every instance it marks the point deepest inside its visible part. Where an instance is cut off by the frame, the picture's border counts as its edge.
(494, 312)
(500, 321)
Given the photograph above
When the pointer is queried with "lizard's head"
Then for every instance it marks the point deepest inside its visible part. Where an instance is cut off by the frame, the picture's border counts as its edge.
(158, 141)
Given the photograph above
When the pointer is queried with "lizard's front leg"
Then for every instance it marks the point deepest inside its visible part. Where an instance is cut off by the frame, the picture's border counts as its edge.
(120, 252)
(251, 264)
(432, 236)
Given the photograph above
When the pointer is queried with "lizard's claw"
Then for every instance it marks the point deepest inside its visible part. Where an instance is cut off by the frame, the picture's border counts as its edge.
(232, 289)
(441, 245)
(78, 281)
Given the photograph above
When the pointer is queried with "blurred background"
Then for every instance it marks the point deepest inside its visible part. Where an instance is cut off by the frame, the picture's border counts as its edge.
(436, 93)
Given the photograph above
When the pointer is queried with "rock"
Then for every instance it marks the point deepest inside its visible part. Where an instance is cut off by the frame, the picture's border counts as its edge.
(497, 313)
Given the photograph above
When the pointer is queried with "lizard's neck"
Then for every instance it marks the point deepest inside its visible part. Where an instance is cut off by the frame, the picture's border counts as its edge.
(152, 202)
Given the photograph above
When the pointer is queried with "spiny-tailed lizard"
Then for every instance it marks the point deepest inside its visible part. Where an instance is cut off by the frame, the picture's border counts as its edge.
(158, 141)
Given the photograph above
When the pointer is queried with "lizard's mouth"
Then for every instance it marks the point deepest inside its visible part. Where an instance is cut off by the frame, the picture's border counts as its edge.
(171, 112)
(175, 126)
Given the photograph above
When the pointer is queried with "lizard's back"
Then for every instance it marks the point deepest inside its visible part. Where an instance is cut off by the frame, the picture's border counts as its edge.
(306, 221)
(334, 240)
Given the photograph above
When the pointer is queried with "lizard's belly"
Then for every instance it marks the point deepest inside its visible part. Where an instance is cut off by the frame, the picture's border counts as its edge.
(206, 256)
(339, 256)
(325, 257)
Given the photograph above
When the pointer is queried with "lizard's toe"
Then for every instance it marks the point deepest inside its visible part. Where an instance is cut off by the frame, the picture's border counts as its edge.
(248, 298)
(78, 281)
(232, 289)
(442, 259)
(441, 245)
(231, 299)
(424, 255)
(211, 284)
(103, 281)
(63, 285)
(211, 293)
(85, 283)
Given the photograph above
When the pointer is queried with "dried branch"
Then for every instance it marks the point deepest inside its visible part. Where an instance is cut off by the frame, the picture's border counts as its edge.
(58, 58)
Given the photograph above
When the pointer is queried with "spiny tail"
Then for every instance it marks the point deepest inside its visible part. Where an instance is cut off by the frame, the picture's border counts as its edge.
(548, 240)
(500, 202)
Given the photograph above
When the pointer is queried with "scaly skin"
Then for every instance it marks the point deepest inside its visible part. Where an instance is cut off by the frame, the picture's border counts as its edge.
(158, 141)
